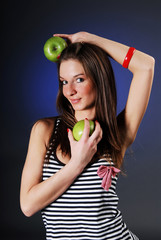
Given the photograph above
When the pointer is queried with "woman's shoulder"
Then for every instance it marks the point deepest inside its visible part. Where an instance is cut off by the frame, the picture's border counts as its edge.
(43, 128)
(44, 123)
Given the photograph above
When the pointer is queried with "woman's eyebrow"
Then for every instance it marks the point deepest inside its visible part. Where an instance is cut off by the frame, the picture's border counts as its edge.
(79, 74)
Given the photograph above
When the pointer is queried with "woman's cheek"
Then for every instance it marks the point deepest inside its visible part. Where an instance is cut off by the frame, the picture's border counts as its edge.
(86, 89)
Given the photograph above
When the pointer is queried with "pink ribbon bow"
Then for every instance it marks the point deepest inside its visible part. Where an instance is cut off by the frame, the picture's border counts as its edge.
(106, 173)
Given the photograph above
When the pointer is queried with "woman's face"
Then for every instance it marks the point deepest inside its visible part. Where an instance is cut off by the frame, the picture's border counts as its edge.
(77, 87)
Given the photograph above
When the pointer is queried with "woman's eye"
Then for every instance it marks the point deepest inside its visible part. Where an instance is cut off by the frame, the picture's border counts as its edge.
(64, 82)
(80, 80)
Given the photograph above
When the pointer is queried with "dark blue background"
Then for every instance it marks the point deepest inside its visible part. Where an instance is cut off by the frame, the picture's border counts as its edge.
(29, 88)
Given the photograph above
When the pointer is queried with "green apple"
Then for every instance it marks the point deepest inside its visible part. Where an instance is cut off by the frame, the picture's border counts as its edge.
(79, 127)
(53, 48)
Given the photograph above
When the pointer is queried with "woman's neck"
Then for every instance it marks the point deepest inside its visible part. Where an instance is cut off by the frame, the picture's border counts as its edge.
(89, 114)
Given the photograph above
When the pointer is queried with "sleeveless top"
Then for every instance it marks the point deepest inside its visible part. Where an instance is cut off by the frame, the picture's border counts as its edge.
(85, 210)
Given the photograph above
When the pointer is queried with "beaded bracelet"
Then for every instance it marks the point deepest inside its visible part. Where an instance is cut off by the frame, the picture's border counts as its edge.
(128, 57)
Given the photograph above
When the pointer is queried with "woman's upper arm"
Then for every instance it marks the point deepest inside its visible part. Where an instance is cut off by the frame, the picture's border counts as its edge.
(130, 118)
(32, 172)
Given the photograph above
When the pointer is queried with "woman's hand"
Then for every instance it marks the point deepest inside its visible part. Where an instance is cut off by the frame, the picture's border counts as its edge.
(76, 37)
(83, 150)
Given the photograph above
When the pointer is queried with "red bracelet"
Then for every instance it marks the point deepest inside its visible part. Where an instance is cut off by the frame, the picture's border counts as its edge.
(128, 57)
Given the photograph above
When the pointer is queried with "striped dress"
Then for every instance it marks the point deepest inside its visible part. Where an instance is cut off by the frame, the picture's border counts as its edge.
(85, 210)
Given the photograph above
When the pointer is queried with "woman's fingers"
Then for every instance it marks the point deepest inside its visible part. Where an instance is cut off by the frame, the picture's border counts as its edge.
(86, 130)
(67, 36)
(83, 150)
(92, 140)
(85, 134)
(75, 37)
(61, 35)
(97, 134)
(70, 136)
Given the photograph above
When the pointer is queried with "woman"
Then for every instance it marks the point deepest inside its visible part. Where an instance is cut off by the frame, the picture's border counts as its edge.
(73, 183)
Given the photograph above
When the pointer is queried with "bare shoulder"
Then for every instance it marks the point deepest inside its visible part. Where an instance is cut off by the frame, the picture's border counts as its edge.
(44, 124)
(43, 128)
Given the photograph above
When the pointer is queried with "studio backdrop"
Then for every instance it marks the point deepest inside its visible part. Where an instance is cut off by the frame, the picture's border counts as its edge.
(29, 89)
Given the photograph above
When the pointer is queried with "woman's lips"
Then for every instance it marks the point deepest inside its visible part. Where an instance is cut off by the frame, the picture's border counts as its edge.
(74, 101)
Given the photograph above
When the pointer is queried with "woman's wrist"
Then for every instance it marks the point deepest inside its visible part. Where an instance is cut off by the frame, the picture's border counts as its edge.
(91, 38)
(76, 166)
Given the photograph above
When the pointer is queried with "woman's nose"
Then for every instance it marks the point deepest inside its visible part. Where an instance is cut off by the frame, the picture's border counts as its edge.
(71, 90)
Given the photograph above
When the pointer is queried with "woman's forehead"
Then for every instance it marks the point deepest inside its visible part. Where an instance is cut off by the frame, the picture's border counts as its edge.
(70, 68)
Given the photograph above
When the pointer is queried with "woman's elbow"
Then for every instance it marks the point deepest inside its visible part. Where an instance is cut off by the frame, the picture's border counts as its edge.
(147, 68)
(26, 209)
(151, 64)
(143, 65)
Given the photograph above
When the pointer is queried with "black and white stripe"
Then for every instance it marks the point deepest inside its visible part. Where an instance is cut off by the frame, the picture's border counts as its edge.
(85, 211)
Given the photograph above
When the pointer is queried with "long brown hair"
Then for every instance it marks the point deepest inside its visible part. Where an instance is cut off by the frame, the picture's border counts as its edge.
(97, 67)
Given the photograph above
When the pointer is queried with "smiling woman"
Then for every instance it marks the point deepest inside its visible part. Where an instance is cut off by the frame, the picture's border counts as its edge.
(63, 177)
(78, 89)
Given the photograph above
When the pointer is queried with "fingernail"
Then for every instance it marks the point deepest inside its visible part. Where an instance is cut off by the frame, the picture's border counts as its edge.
(86, 118)
(67, 129)
(58, 56)
(96, 121)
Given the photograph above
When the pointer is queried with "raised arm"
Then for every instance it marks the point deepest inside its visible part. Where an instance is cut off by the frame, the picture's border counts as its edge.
(142, 67)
